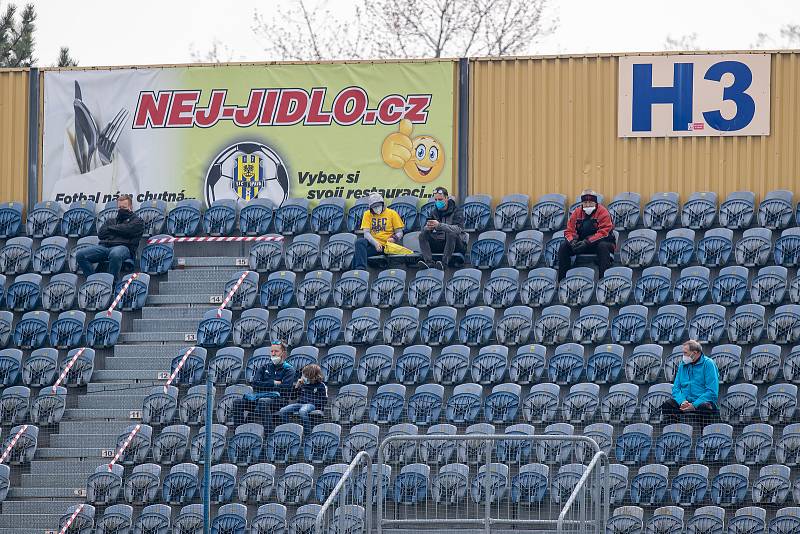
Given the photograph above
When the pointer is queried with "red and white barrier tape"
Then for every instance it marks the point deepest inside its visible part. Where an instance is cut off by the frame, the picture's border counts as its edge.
(210, 239)
(124, 446)
(72, 519)
(122, 292)
(13, 442)
(230, 294)
(67, 367)
(186, 355)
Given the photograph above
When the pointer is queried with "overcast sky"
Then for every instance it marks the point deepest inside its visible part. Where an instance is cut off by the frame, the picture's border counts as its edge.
(166, 31)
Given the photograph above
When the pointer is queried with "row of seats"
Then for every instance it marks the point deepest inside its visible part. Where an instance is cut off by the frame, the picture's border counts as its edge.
(670, 324)
(41, 367)
(35, 329)
(707, 519)
(230, 518)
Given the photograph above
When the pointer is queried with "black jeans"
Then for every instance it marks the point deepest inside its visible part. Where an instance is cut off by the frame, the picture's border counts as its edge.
(444, 243)
(364, 249)
(263, 411)
(603, 251)
(704, 414)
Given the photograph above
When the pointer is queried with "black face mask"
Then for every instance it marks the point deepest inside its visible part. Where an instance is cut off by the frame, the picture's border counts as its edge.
(123, 214)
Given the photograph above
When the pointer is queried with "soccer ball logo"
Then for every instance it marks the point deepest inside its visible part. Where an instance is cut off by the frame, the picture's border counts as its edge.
(245, 171)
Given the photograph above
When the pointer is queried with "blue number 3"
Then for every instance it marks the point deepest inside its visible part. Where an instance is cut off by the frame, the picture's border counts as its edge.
(745, 106)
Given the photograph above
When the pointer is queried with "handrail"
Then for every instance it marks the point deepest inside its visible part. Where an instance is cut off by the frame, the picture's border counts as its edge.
(357, 460)
(598, 456)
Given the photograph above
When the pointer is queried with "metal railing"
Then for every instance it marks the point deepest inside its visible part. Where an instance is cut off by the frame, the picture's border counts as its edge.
(583, 507)
(344, 492)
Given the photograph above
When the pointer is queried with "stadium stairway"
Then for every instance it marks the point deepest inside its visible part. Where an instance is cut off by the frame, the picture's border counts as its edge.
(93, 421)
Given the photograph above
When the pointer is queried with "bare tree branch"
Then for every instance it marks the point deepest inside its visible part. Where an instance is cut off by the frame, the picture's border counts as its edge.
(684, 43)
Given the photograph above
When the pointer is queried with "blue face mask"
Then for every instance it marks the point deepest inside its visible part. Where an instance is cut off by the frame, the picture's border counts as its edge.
(440, 204)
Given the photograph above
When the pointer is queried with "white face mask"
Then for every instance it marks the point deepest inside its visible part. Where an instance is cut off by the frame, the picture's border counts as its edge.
(305, 380)
(276, 360)
(687, 359)
(378, 209)
(588, 210)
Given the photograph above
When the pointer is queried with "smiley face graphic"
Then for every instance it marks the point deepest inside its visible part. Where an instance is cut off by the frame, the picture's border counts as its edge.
(422, 158)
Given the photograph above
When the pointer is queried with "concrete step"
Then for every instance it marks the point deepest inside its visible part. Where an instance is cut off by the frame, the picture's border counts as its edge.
(198, 295)
(58, 479)
(181, 288)
(31, 521)
(79, 414)
(91, 427)
(19, 530)
(73, 452)
(216, 274)
(131, 402)
(87, 467)
(216, 261)
(37, 507)
(104, 388)
(149, 351)
(94, 441)
(165, 325)
(47, 493)
(142, 363)
(164, 312)
(139, 376)
(150, 337)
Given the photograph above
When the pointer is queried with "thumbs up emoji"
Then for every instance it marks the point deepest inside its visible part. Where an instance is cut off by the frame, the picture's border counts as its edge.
(422, 158)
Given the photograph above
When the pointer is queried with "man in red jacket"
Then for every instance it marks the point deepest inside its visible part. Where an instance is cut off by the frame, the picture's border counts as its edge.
(590, 230)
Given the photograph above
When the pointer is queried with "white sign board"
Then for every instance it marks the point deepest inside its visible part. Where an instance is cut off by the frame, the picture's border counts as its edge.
(694, 95)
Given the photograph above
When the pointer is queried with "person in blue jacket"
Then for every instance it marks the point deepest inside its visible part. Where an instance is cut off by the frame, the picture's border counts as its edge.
(312, 394)
(272, 388)
(695, 391)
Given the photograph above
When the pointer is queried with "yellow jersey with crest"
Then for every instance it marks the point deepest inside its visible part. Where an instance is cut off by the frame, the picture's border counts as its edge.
(382, 226)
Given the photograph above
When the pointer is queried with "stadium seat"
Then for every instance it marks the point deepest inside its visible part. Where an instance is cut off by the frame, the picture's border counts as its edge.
(514, 327)
(489, 365)
(778, 405)
(625, 210)
(39, 369)
(411, 485)
(500, 290)
(633, 445)
(566, 365)
(772, 486)
(643, 365)
(592, 325)
(250, 330)
(668, 325)
(539, 288)
(784, 325)
(708, 324)
(31, 331)
(256, 486)
(363, 326)
(768, 287)
(509, 451)
(327, 480)
(747, 324)
(284, 444)
(527, 365)
(729, 362)
(51, 256)
(190, 519)
(739, 404)
(138, 444)
(11, 219)
(449, 486)
(602, 434)
(775, 210)
(552, 247)
(425, 291)
(581, 403)
(620, 403)
(108, 213)
(542, 403)
(337, 254)
(66, 332)
(245, 295)
(141, 486)
(24, 294)
(556, 451)
(753, 248)
(225, 405)
(639, 248)
(729, 288)
(673, 445)
(714, 249)
(363, 437)
(14, 405)
(6, 331)
(736, 212)
(463, 288)
(787, 248)
(215, 328)
(666, 520)
(44, 220)
(401, 451)
(477, 213)
(338, 365)
(577, 288)
(327, 217)
(700, 211)
(81, 371)
(502, 404)
(691, 287)
(526, 249)
(707, 520)
(464, 404)
(266, 256)
(750, 519)
(171, 445)
(552, 327)
(439, 327)
(96, 293)
(292, 217)
(154, 216)
(388, 289)
(786, 520)
(616, 286)
(488, 250)
(180, 485)
(220, 218)
(351, 290)
(350, 404)
(649, 486)
(160, 405)
(104, 486)
(401, 327)
(473, 452)
(511, 213)
(225, 367)
(387, 404)
(321, 446)
(156, 258)
(491, 483)
(413, 365)
(630, 325)
(81, 519)
(549, 212)
(791, 365)
(626, 520)
(192, 408)
(754, 445)
(278, 291)
(288, 326)
(451, 366)
(355, 214)
(15, 256)
(652, 288)
(715, 444)
(230, 518)
(136, 294)
(438, 451)
(303, 253)
(184, 219)
(325, 328)
(677, 249)
(477, 326)
(424, 407)
(661, 212)
(155, 518)
(255, 217)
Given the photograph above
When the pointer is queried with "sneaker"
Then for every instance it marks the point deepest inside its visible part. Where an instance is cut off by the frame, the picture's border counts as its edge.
(438, 265)
(422, 265)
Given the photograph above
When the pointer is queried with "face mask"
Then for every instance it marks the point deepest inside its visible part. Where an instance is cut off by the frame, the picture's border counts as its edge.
(123, 213)
(588, 210)
(276, 360)
(687, 360)
(378, 209)
(305, 380)
(440, 204)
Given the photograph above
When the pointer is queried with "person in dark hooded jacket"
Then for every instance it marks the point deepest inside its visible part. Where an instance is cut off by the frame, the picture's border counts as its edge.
(444, 232)
(119, 239)
(273, 385)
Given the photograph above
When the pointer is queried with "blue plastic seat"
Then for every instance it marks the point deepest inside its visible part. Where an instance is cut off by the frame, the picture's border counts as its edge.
(330, 476)
(337, 254)
(14, 405)
(639, 248)
(97, 292)
(449, 487)
(451, 366)
(526, 249)
(230, 518)
(477, 213)
(779, 404)
(619, 404)
(736, 212)
(406, 207)
(514, 328)
(363, 326)
(556, 451)
(6, 329)
(141, 486)
(643, 365)
(762, 365)
(193, 369)
(438, 451)
(747, 324)
(424, 407)
(303, 253)
(500, 290)
(769, 285)
(581, 403)
(322, 444)
(625, 210)
(477, 326)
(250, 330)
(15, 256)
(549, 212)
(108, 213)
(649, 486)
(288, 326)
(81, 371)
(772, 486)
(491, 483)
(517, 451)
(255, 217)
(786, 521)
(355, 214)
(553, 325)
(325, 328)
(350, 404)
(791, 365)
(602, 434)
(729, 487)
(665, 520)
(439, 327)
(673, 445)
(220, 218)
(327, 217)
(566, 366)
(787, 248)
(668, 325)
(39, 369)
(388, 289)
(716, 443)
(278, 291)
(154, 216)
(488, 250)
(754, 445)
(426, 289)
(652, 288)
(634, 444)
(626, 520)
(155, 518)
(502, 404)
(24, 294)
(739, 404)
(192, 407)
(630, 325)
(171, 445)
(135, 296)
(245, 296)
(605, 364)
(215, 328)
(577, 288)
(185, 218)
(363, 437)
(754, 247)
(542, 403)
(511, 213)
(387, 404)
(292, 217)
(266, 256)
(11, 219)
(284, 444)
(44, 220)
(156, 258)
(715, 248)
(59, 294)
(692, 286)
(776, 209)
(787, 450)
(180, 485)
(708, 324)
(401, 451)
(463, 288)
(105, 484)
(138, 444)
(618, 482)
(661, 212)
(225, 367)
(411, 485)
(539, 288)
(31, 331)
(338, 365)
(729, 288)
(616, 286)
(66, 332)
(728, 359)
(700, 211)
(552, 247)
(592, 325)
(528, 364)
(473, 451)
(51, 256)
(464, 404)
(401, 327)
(784, 325)
(749, 519)
(351, 290)
(677, 249)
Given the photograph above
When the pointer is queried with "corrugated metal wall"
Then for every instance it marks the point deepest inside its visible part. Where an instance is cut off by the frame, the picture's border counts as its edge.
(14, 135)
(547, 125)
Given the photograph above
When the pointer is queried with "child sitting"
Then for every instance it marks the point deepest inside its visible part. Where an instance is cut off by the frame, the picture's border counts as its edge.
(312, 394)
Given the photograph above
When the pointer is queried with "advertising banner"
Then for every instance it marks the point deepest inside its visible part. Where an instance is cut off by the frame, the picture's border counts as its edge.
(694, 95)
(244, 132)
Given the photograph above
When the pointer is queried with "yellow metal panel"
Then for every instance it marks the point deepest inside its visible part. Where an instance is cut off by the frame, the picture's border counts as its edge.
(14, 135)
(549, 124)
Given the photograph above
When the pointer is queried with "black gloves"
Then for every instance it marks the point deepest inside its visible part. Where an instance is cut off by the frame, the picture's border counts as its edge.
(578, 246)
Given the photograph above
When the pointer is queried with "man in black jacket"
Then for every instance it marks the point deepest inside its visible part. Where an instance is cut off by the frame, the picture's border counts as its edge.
(444, 232)
(119, 239)
(273, 386)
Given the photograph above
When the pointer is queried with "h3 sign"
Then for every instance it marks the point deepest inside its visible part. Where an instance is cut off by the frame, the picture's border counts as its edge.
(694, 95)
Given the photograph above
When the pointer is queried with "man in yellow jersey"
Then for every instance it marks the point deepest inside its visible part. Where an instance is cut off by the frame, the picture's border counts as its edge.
(381, 225)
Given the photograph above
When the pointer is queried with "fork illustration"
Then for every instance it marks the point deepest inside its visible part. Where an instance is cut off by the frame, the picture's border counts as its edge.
(109, 136)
